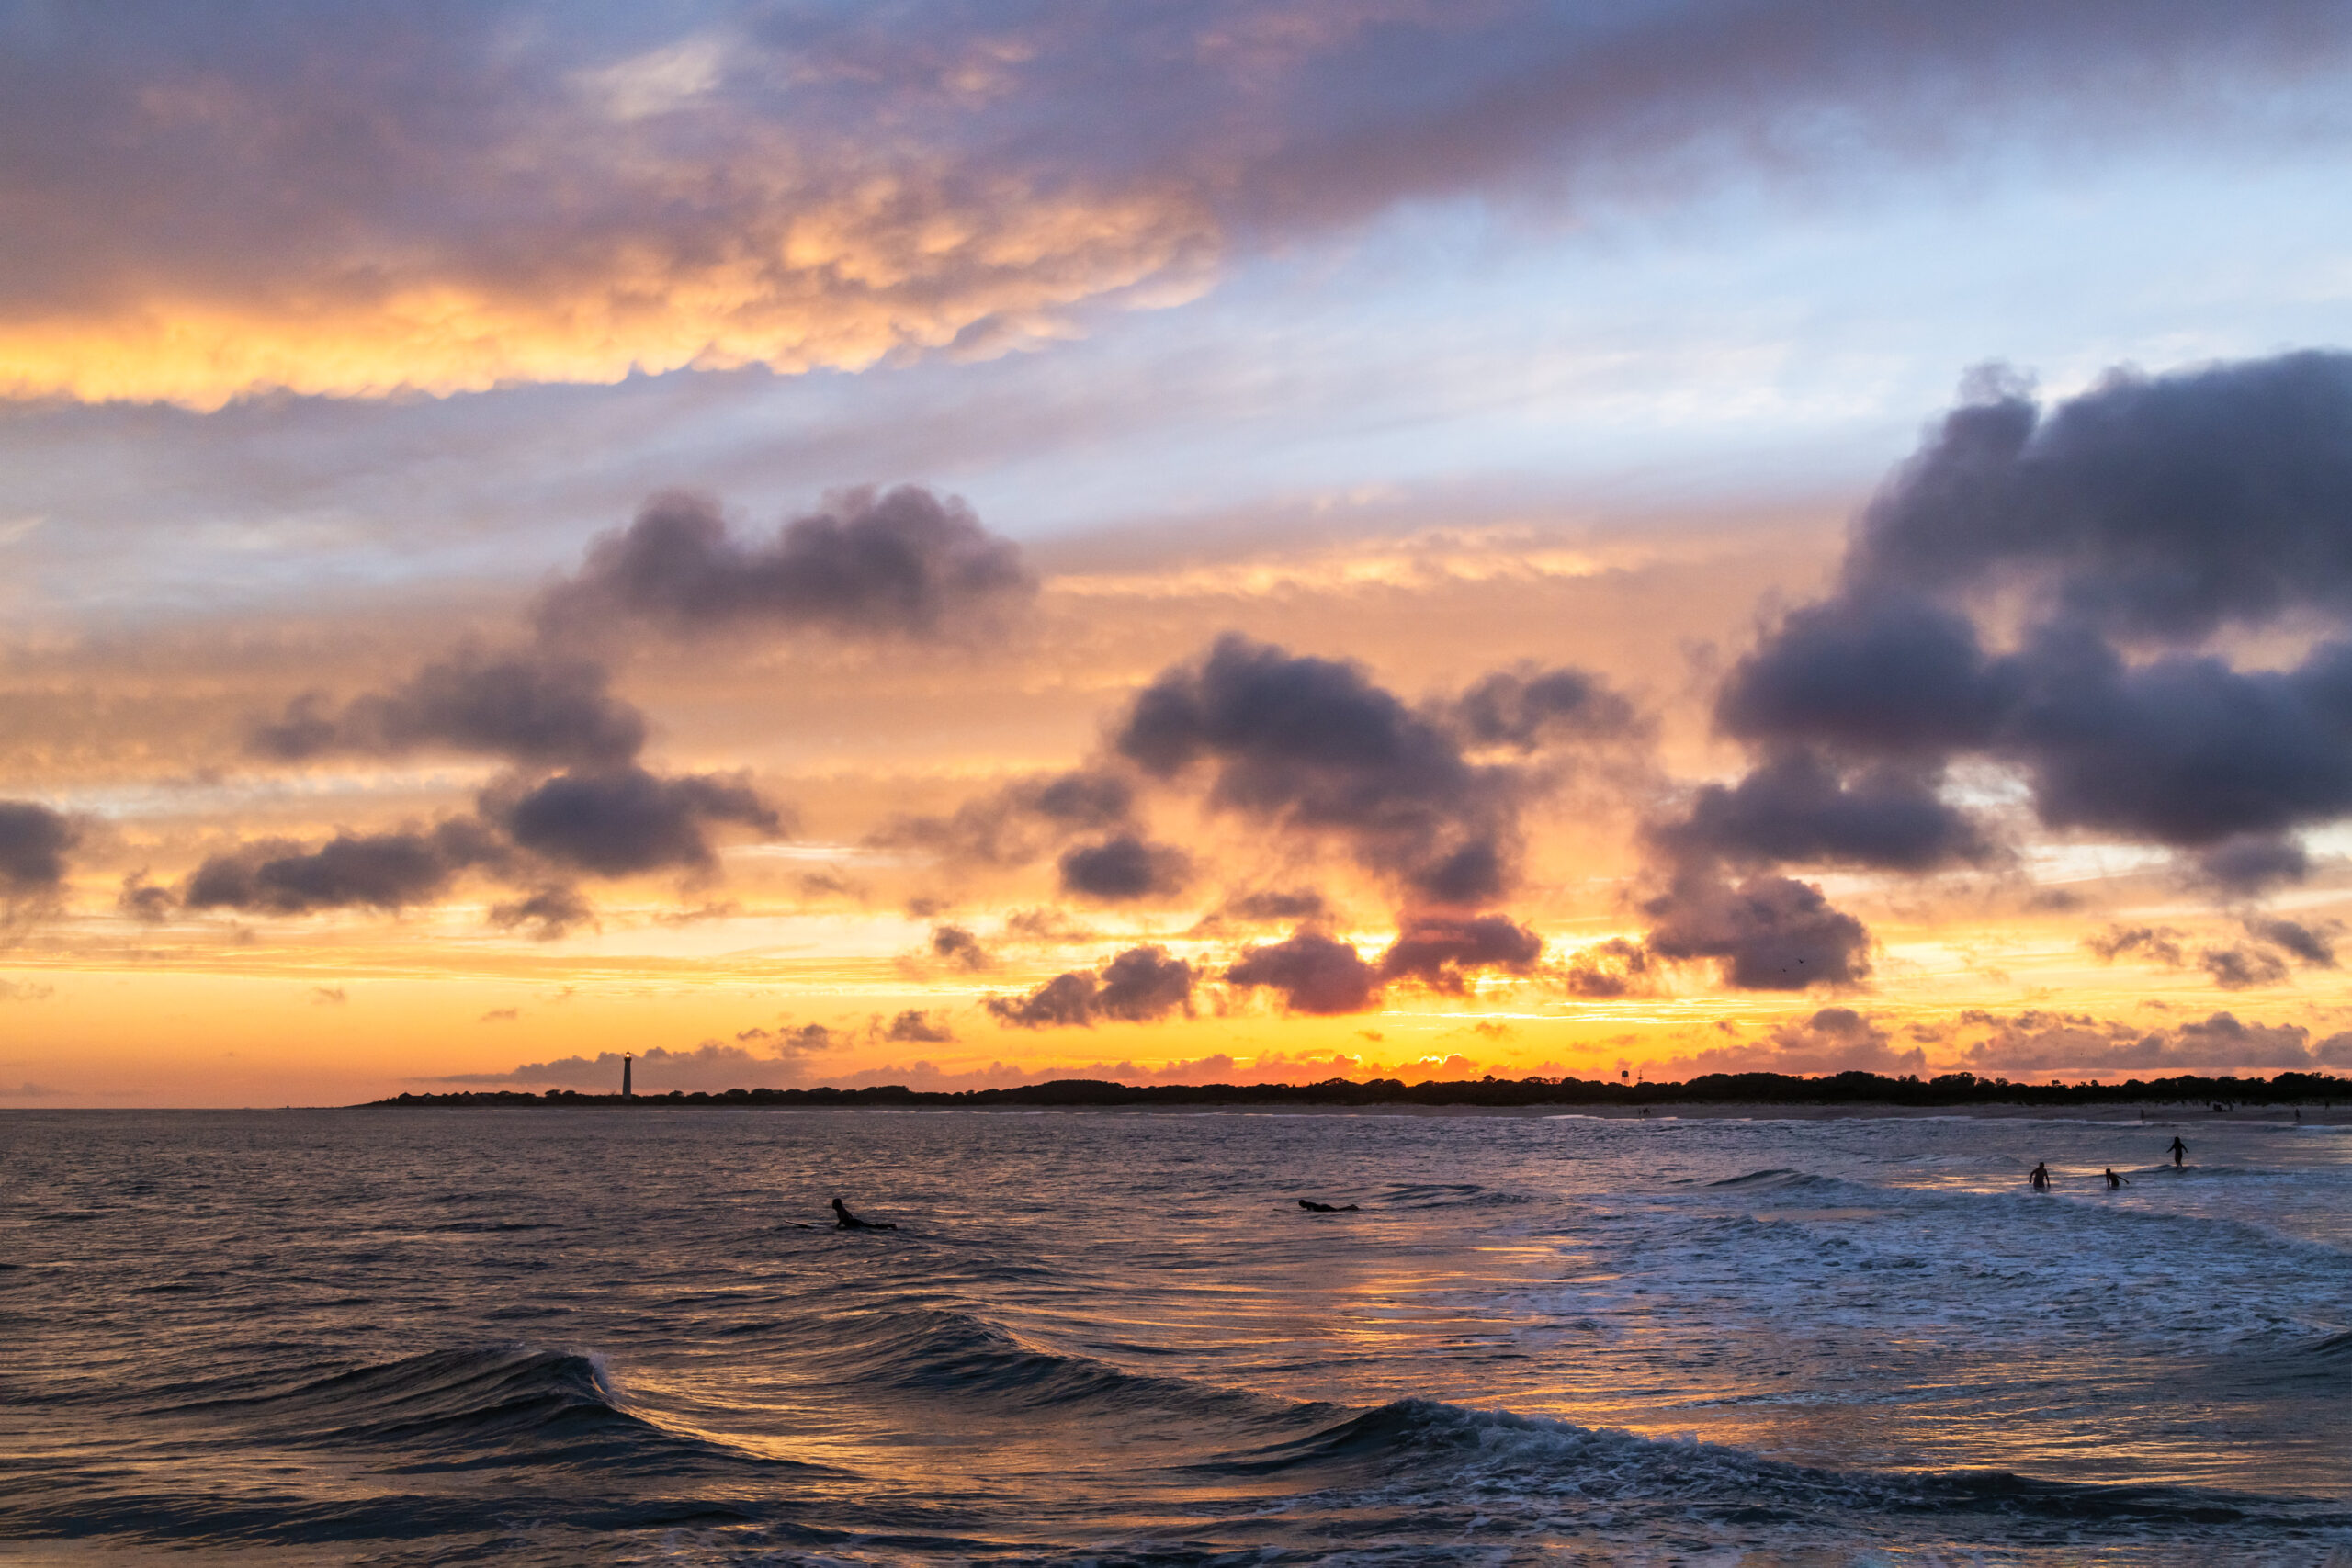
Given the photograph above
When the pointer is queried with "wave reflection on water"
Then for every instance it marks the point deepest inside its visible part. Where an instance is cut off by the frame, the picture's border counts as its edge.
(571, 1337)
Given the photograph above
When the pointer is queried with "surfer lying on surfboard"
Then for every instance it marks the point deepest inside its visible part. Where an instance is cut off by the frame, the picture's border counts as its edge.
(846, 1221)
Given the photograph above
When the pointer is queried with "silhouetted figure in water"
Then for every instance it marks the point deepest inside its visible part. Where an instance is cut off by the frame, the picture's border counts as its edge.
(2040, 1177)
(1314, 1208)
(2179, 1151)
(846, 1221)
(2113, 1180)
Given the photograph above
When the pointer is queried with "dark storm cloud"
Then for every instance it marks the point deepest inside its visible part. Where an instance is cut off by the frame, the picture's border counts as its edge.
(623, 820)
(2252, 863)
(1314, 974)
(1873, 675)
(2150, 508)
(1795, 807)
(646, 188)
(2130, 523)
(1139, 986)
(1123, 869)
(2117, 533)
(33, 844)
(1313, 746)
(900, 562)
(1443, 951)
(532, 708)
(377, 871)
(1767, 933)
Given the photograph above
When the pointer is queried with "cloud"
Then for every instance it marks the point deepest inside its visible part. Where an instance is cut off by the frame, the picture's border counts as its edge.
(1795, 807)
(2129, 525)
(26, 991)
(33, 844)
(378, 871)
(1527, 707)
(329, 996)
(2314, 946)
(1141, 984)
(2160, 943)
(1765, 933)
(2252, 863)
(1613, 968)
(1441, 951)
(953, 944)
(545, 914)
(710, 1065)
(1019, 823)
(916, 1026)
(900, 562)
(2046, 1041)
(1126, 868)
(1833, 1040)
(335, 202)
(2262, 959)
(1314, 974)
(2107, 539)
(500, 1015)
(1312, 746)
(2243, 967)
(623, 820)
(530, 707)
(1275, 905)
(142, 900)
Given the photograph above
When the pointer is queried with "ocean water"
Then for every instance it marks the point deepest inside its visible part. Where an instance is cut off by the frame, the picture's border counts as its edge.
(618, 1338)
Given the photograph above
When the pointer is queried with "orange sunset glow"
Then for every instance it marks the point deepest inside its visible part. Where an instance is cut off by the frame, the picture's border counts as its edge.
(848, 561)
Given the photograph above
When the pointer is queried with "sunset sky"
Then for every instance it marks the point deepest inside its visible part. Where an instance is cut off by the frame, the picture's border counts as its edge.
(956, 545)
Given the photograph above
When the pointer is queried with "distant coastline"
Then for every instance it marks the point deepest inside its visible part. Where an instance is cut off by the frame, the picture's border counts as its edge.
(1719, 1094)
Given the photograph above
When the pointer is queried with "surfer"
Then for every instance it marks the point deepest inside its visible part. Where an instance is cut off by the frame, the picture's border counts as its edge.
(846, 1221)
(2113, 1180)
(1314, 1208)
(2040, 1177)
(2179, 1151)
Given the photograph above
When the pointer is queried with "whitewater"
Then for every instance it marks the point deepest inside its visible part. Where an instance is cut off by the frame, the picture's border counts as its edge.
(633, 1337)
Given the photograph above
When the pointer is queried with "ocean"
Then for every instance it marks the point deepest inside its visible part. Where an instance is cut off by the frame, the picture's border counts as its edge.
(633, 1337)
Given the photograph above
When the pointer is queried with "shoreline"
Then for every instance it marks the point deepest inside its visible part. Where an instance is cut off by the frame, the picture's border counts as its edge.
(2288, 1098)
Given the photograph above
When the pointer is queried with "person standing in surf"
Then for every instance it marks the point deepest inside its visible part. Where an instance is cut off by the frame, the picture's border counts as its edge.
(2179, 1151)
(2040, 1177)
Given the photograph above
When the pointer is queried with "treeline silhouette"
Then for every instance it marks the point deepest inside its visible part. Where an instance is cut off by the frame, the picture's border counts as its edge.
(1769, 1089)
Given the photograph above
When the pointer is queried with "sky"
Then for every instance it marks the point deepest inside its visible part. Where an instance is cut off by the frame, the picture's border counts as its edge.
(964, 545)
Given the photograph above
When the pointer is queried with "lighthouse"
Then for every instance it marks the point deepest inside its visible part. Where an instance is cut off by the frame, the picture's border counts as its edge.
(624, 1088)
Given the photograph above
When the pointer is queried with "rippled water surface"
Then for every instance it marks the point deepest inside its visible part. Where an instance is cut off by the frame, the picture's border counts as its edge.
(598, 1337)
